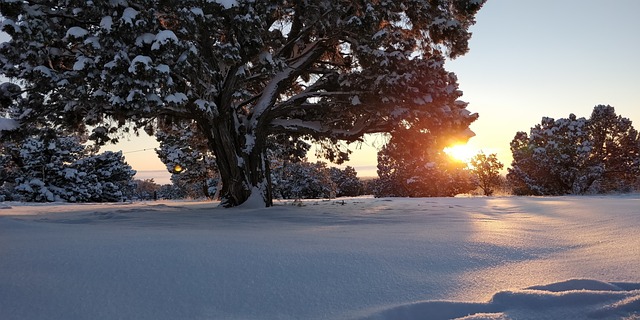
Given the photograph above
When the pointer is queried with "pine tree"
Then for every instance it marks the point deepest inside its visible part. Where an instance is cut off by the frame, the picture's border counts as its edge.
(49, 165)
(332, 70)
(616, 148)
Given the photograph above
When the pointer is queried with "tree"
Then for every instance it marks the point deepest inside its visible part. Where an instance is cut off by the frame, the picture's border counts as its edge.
(413, 164)
(347, 182)
(185, 153)
(146, 189)
(486, 169)
(51, 166)
(576, 155)
(107, 178)
(615, 147)
(331, 70)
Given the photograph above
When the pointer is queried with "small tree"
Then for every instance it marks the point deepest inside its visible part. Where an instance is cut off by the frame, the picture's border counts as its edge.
(51, 166)
(145, 189)
(486, 170)
(347, 182)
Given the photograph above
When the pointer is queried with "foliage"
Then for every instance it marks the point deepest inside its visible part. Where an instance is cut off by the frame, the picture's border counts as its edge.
(49, 166)
(576, 155)
(185, 153)
(413, 164)
(146, 189)
(486, 171)
(347, 182)
(331, 70)
(303, 180)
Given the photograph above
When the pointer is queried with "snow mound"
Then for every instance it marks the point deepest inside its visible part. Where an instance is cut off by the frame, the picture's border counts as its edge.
(572, 299)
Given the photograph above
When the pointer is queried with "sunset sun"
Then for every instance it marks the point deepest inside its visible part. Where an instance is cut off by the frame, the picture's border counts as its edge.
(461, 152)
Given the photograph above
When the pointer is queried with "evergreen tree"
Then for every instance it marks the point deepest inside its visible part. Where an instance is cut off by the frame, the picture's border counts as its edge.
(347, 182)
(576, 155)
(242, 70)
(51, 166)
(107, 177)
(615, 148)
(413, 164)
(486, 169)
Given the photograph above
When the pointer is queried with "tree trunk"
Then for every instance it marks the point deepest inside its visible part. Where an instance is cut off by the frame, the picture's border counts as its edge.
(243, 170)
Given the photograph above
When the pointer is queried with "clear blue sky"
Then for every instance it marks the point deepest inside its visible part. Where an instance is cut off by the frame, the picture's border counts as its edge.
(528, 59)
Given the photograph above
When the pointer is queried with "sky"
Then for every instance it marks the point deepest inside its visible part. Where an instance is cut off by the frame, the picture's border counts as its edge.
(527, 60)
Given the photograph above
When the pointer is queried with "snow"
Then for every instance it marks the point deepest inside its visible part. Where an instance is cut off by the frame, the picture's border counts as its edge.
(176, 98)
(162, 38)
(352, 258)
(129, 15)
(225, 3)
(197, 11)
(106, 23)
(81, 62)
(76, 32)
(8, 124)
(144, 60)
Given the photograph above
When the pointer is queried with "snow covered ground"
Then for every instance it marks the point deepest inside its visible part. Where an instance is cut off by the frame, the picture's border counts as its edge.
(435, 258)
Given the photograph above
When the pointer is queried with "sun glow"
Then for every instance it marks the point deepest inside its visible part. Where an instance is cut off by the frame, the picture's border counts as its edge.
(461, 152)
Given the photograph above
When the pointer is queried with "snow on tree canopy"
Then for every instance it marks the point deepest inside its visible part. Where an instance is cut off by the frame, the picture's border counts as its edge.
(145, 61)
(225, 3)
(8, 124)
(163, 37)
(106, 23)
(576, 155)
(77, 32)
(129, 15)
(332, 71)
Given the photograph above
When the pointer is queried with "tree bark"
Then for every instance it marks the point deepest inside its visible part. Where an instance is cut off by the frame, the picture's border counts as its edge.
(242, 171)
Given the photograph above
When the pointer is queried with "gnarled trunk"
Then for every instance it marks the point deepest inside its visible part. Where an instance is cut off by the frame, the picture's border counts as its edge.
(243, 168)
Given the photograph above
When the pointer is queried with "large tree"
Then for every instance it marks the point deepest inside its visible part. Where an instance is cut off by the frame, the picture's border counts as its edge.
(241, 70)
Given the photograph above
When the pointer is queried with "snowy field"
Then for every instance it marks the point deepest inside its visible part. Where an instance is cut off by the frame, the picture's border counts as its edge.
(432, 258)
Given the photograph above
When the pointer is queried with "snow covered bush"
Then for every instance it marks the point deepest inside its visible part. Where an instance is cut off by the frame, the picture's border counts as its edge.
(303, 180)
(576, 155)
(347, 182)
(49, 166)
